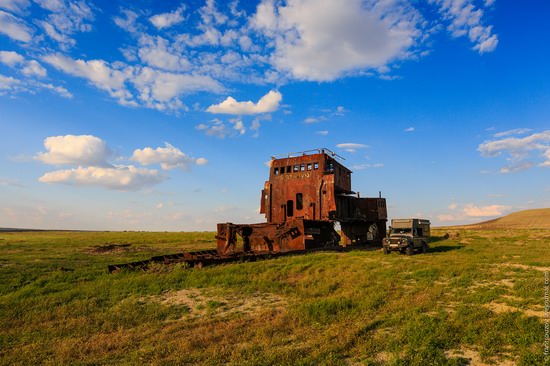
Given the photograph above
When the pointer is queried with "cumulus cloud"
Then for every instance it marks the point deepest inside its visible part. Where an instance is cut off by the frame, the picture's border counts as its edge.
(321, 40)
(14, 28)
(409, 129)
(166, 20)
(118, 177)
(90, 154)
(472, 210)
(467, 20)
(75, 150)
(518, 149)
(351, 146)
(267, 103)
(169, 157)
(154, 88)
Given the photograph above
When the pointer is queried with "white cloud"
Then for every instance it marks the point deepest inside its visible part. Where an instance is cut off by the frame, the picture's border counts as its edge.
(169, 157)
(516, 131)
(321, 40)
(123, 178)
(467, 20)
(518, 167)
(201, 161)
(267, 103)
(215, 128)
(154, 89)
(7, 83)
(65, 19)
(129, 21)
(29, 68)
(409, 129)
(75, 150)
(166, 20)
(15, 6)
(156, 52)
(238, 126)
(10, 85)
(367, 166)
(97, 72)
(14, 27)
(472, 210)
(518, 149)
(33, 68)
(453, 206)
(11, 58)
(90, 154)
(322, 133)
(351, 147)
(310, 120)
(58, 89)
(160, 90)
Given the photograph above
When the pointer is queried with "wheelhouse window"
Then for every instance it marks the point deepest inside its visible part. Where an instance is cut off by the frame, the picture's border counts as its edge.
(299, 201)
(276, 171)
(288, 169)
(290, 208)
(295, 168)
(309, 166)
(302, 167)
(315, 166)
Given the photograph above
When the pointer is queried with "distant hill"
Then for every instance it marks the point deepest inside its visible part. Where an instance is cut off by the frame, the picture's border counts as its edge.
(528, 219)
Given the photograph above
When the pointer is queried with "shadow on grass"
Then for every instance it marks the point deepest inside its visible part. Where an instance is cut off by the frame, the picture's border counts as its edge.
(444, 248)
(435, 239)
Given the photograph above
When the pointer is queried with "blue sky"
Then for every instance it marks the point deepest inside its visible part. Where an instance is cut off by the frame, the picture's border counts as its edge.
(162, 115)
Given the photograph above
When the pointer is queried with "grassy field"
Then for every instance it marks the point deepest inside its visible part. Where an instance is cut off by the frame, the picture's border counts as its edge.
(477, 297)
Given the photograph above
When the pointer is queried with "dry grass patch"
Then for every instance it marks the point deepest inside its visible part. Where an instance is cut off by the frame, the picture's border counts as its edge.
(218, 302)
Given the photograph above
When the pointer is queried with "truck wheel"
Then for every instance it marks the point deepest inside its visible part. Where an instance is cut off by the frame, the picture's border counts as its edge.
(410, 250)
(386, 250)
(424, 248)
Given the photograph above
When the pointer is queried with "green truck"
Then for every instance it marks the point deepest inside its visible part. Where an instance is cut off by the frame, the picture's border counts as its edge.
(407, 235)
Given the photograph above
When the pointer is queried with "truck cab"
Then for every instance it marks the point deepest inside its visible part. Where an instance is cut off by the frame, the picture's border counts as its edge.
(407, 236)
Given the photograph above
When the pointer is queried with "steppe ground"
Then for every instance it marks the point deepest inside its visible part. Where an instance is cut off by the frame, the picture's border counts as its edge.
(477, 297)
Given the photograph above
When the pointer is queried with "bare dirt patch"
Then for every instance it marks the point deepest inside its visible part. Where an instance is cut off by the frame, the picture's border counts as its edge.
(526, 267)
(504, 308)
(217, 302)
(474, 359)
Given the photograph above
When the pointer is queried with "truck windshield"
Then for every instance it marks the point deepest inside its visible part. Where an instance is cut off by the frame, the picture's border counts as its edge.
(399, 231)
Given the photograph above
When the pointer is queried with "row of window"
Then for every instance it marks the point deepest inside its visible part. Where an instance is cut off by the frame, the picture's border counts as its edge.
(296, 168)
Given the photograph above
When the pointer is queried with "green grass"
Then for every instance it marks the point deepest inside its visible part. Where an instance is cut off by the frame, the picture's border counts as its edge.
(58, 305)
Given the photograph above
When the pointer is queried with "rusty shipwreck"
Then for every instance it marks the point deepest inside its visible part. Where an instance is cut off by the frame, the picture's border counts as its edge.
(306, 195)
